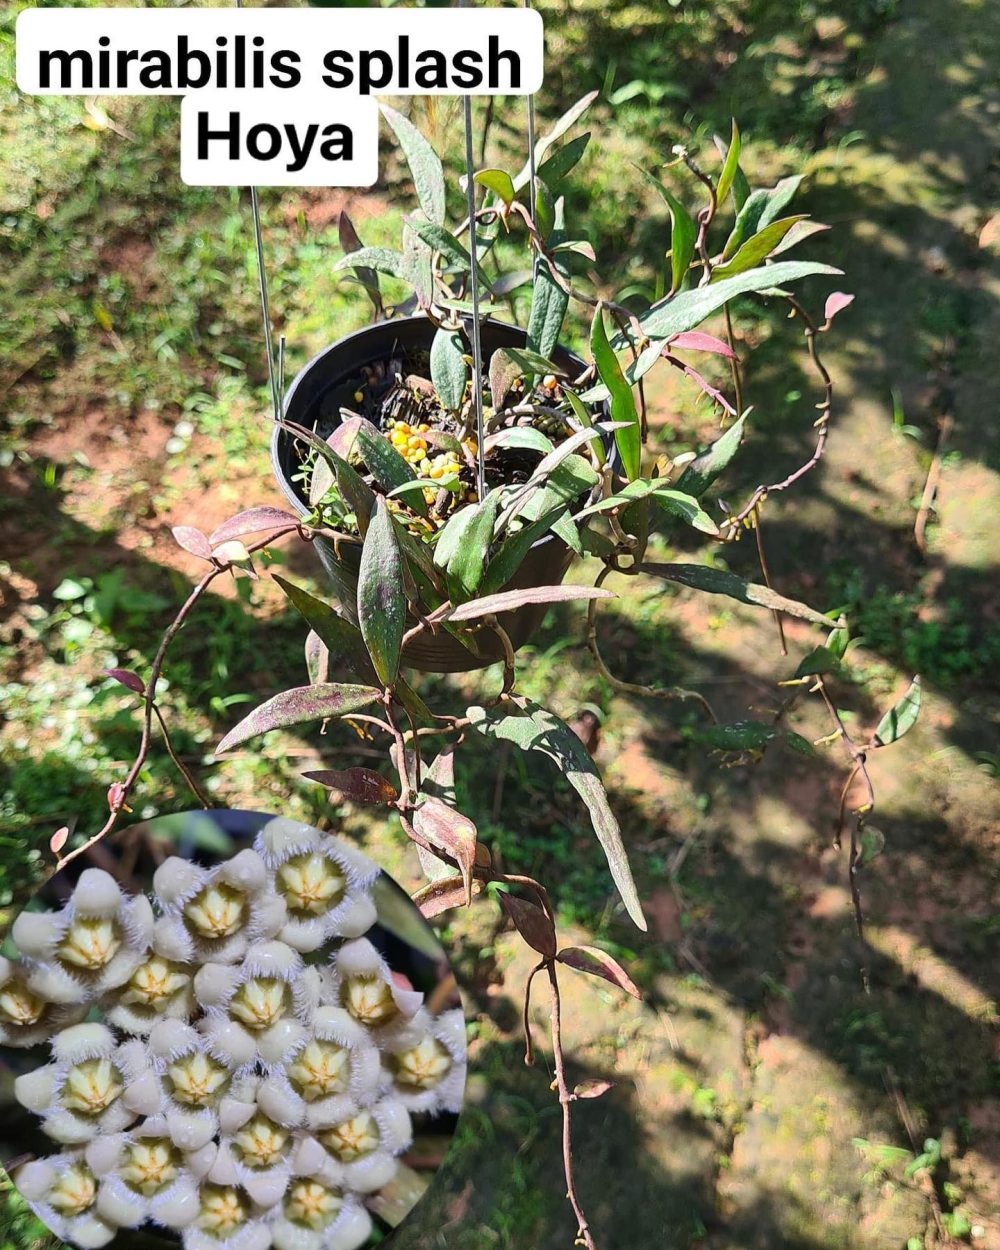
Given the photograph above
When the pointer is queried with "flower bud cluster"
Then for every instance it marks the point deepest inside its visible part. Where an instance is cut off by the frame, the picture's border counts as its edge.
(252, 1077)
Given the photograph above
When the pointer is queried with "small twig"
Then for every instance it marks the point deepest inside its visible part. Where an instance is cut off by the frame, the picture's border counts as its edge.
(766, 574)
(931, 485)
(188, 776)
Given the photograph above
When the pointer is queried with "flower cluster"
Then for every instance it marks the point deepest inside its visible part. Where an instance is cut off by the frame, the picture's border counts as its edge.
(252, 1077)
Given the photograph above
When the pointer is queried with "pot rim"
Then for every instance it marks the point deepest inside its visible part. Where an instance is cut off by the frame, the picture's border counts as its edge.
(277, 434)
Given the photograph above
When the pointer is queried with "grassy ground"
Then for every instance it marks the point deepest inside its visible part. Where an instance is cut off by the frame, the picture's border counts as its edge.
(748, 1108)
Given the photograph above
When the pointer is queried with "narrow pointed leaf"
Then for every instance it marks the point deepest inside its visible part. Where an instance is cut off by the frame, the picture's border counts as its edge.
(508, 558)
(509, 600)
(555, 167)
(549, 301)
(386, 465)
(755, 250)
(466, 565)
(678, 504)
(535, 728)
(444, 895)
(381, 600)
(566, 122)
(623, 407)
(729, 167)
(900, 718)
(499, 182)
(722, 582)
(125, 677)
(300, 706)
(360, 785)
(702, 471)
(760, 209)
(599, 963)
(424, 163)
(368, 278)
(683, 233)
(449, 372)
(382, 259)
(252, 521)
(449, 831)
(341, 638)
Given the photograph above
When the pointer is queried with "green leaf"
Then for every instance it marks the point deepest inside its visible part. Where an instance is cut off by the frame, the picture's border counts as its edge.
(298, 707)
(623, 407)
(687, 508)
(544, 210)
(449, 371)
(549, 301)
(555, 168)
(499, 182)
(453, 534)
(466, 565)
(683, 233)
(524, 436)
(535, 728)
(510, 600)
(744, 735)
(566, 122)
(760, 209)
(900, 718)
(756, 249)
(381, 601)
(385, 464)
(342, 639)
(424, 163)
(819, 660)
(508, 558)
(585, 417)
(702, 471)
(687, 309)
(382, 259)
(730, 166)
(531, 362)
(356, 493)
(721, 582)
(443, 241)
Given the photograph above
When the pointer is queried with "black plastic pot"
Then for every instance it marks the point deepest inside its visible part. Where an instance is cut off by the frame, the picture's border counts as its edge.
(328, 382)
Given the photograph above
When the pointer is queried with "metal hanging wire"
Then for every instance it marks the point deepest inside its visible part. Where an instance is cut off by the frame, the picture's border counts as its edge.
(277, 387)
(476, 329)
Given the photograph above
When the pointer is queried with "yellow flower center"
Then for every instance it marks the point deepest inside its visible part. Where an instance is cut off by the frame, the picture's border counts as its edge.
(321, 1069)
(260, 1002)
(353, 1139)
(311, 884)
(89, 943)
(369, 1000)
(154, 983)
(18, 1005)
(217, 911)
(197, 1080)
(423, 1065)
(260, 1142)
(149, 1165)
(223, 1210)
(312, 1204)
(74, 1190)
(91, 1087)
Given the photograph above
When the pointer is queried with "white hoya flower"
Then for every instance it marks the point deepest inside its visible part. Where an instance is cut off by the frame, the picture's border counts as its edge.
(257, 1013)
(92, 945)
(364, 986)
(213, 914)
(194, 1084)
(324, 883)
(63, 1193)
(336, 1067)
(359, 1152)
(27, 1018)
(226, 1218)
(314, 1216)
(144, 1176)
(79, 1095)
(428, 1063)
(158, 988)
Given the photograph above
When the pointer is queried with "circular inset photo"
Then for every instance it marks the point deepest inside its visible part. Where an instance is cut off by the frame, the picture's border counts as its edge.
(228, 1031)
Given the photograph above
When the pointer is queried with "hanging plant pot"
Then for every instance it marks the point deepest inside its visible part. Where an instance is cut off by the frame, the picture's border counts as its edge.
(314, 400)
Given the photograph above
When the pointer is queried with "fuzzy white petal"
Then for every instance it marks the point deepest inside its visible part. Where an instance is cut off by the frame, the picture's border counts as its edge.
(35, 1090)
(97, 893)
(176, 877)
(36, 932)
(34, 1179)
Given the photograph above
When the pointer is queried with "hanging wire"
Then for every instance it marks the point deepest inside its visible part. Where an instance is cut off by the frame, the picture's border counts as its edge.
(477, 345)
(265, 307)
(532, 173)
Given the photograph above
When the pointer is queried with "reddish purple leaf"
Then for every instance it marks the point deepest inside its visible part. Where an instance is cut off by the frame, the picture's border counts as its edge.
(360, 785)
(508, 600)
(599, 964)
(58, 839)
(698, 341)
(192, 540)
(344, 436)
(448, 830)
(125, 677)
(300, 706)
(251, 522)
(593, 1088)
(532, 923)
(835, 303)
(444, 895)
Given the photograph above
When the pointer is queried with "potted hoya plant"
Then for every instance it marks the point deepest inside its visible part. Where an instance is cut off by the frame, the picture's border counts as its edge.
(449, 466)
